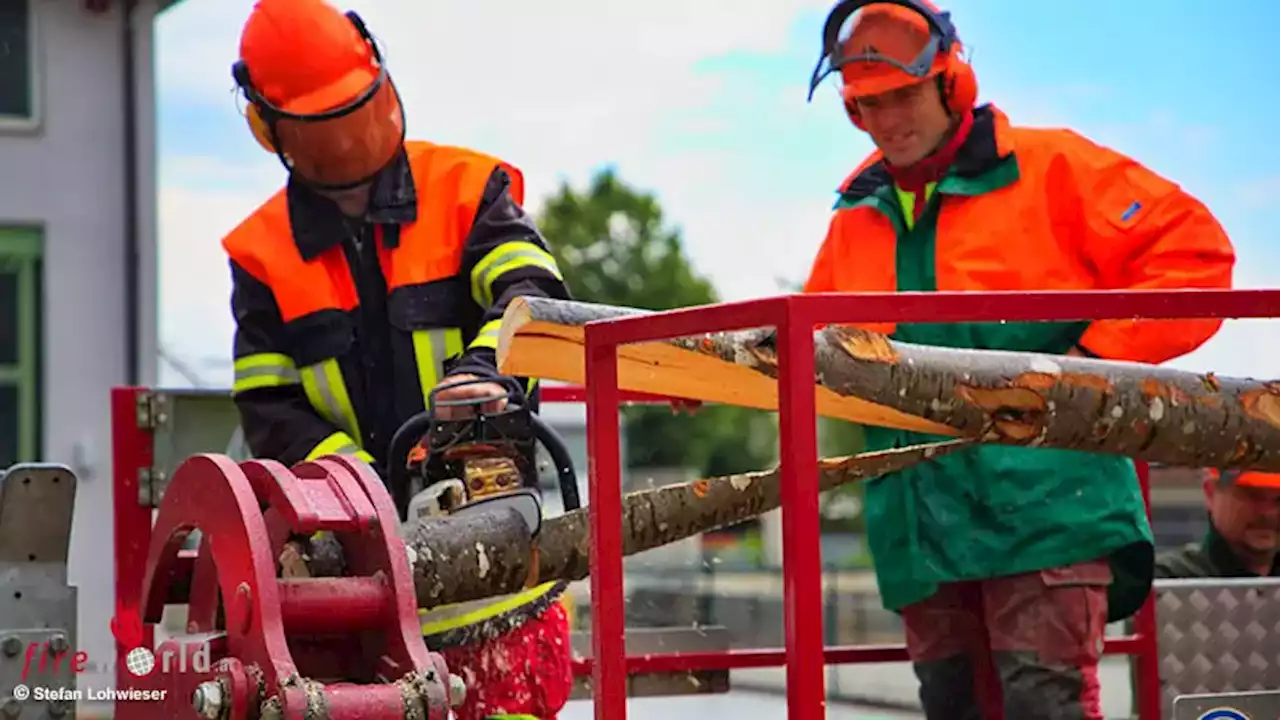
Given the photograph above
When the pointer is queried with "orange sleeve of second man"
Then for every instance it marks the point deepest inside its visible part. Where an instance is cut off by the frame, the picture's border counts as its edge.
(822, 273)
(1143, 232)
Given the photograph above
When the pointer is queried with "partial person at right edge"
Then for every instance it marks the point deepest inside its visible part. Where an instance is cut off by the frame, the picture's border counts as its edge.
(1243, 534)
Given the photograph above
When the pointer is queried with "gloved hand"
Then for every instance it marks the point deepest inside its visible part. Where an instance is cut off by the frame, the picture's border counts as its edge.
(473, 391)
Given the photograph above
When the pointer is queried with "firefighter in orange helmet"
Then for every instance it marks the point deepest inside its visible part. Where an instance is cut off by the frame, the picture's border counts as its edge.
(1243, 537)
(378, 274)
(1026, 551)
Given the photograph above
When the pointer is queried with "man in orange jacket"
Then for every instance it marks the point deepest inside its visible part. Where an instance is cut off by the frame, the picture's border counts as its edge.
(377, 275)
(1026, 551)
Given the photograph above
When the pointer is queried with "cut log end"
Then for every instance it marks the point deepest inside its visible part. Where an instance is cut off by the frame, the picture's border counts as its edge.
(1043, 381)
(1263, 403)
(517, 316)
(1153, 389)
(764, 359)
(864, 345)
(1015, 414)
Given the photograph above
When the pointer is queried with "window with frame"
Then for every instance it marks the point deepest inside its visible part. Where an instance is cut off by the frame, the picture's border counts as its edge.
(21, 344)
(17, 63)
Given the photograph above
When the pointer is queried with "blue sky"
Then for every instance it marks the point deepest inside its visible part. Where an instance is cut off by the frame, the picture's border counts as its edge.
(704, 104)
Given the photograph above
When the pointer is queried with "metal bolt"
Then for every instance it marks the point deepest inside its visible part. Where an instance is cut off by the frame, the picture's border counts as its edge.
(11, 646)
(207, 700)
(58, 644)
(457, 691)
(11, 708)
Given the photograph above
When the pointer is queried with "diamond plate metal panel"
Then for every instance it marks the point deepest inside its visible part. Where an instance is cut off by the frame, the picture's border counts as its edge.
(1217, 636)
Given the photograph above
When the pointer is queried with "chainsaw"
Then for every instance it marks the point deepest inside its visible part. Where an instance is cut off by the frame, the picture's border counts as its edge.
(478, 462)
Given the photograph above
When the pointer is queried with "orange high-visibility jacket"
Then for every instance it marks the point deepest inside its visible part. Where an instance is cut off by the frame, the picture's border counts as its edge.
(1020, 209)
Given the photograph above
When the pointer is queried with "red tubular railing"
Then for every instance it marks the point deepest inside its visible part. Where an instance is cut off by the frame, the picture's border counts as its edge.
(795, 317)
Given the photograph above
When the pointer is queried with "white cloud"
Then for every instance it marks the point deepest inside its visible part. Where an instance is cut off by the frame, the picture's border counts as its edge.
(195, 322)
(557, 87)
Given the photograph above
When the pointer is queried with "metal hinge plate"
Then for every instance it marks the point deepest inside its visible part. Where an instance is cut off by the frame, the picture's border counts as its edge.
(152, 411)
(151, 484)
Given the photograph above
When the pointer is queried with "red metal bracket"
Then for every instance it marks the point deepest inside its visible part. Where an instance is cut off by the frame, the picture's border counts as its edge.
(337, 648)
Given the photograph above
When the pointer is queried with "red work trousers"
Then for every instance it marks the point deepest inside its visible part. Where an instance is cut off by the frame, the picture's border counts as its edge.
(1043, 632)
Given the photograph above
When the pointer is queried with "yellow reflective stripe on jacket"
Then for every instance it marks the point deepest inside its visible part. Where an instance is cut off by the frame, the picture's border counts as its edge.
(264, 370)
(487, 337)
(430, 349)
(328, 395)
(433, 626)
(511, 717)
(338, 443)
(503, 259)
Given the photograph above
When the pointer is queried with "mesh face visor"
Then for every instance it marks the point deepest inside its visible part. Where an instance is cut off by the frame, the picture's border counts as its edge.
(877, 46)
(346, 146)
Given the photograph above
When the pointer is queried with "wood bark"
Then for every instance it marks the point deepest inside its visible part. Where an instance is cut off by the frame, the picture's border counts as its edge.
(1147, 412)
(1142, 411)
(544, 338)
(462, 558)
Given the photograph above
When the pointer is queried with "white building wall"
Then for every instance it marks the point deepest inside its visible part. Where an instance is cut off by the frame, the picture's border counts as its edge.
(66, 177)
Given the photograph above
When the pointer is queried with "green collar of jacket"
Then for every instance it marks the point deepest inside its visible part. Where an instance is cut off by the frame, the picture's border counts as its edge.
(979, 168)
(1019, 509)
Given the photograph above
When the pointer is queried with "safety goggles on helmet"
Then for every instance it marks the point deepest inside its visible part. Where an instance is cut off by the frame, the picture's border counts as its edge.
(878, 46)
(336, 137)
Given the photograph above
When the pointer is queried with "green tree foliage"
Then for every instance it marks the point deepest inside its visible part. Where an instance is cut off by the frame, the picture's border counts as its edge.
(615, 247)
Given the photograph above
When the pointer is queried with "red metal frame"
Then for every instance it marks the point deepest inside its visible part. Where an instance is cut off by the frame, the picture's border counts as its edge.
(804, 655)
(132, 454)
(794, 317)
(363, 625)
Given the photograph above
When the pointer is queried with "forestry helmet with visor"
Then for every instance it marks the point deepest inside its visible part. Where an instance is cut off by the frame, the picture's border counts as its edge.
(878, 46)
(319, 96)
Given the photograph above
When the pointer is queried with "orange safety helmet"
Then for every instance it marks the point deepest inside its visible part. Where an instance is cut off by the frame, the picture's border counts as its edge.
(878, 46)
(1246, 478)
(318, 93)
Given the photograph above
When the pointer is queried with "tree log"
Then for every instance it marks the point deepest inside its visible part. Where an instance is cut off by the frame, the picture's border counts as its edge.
(462, 558)
(1142, 411)
(544, 339)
